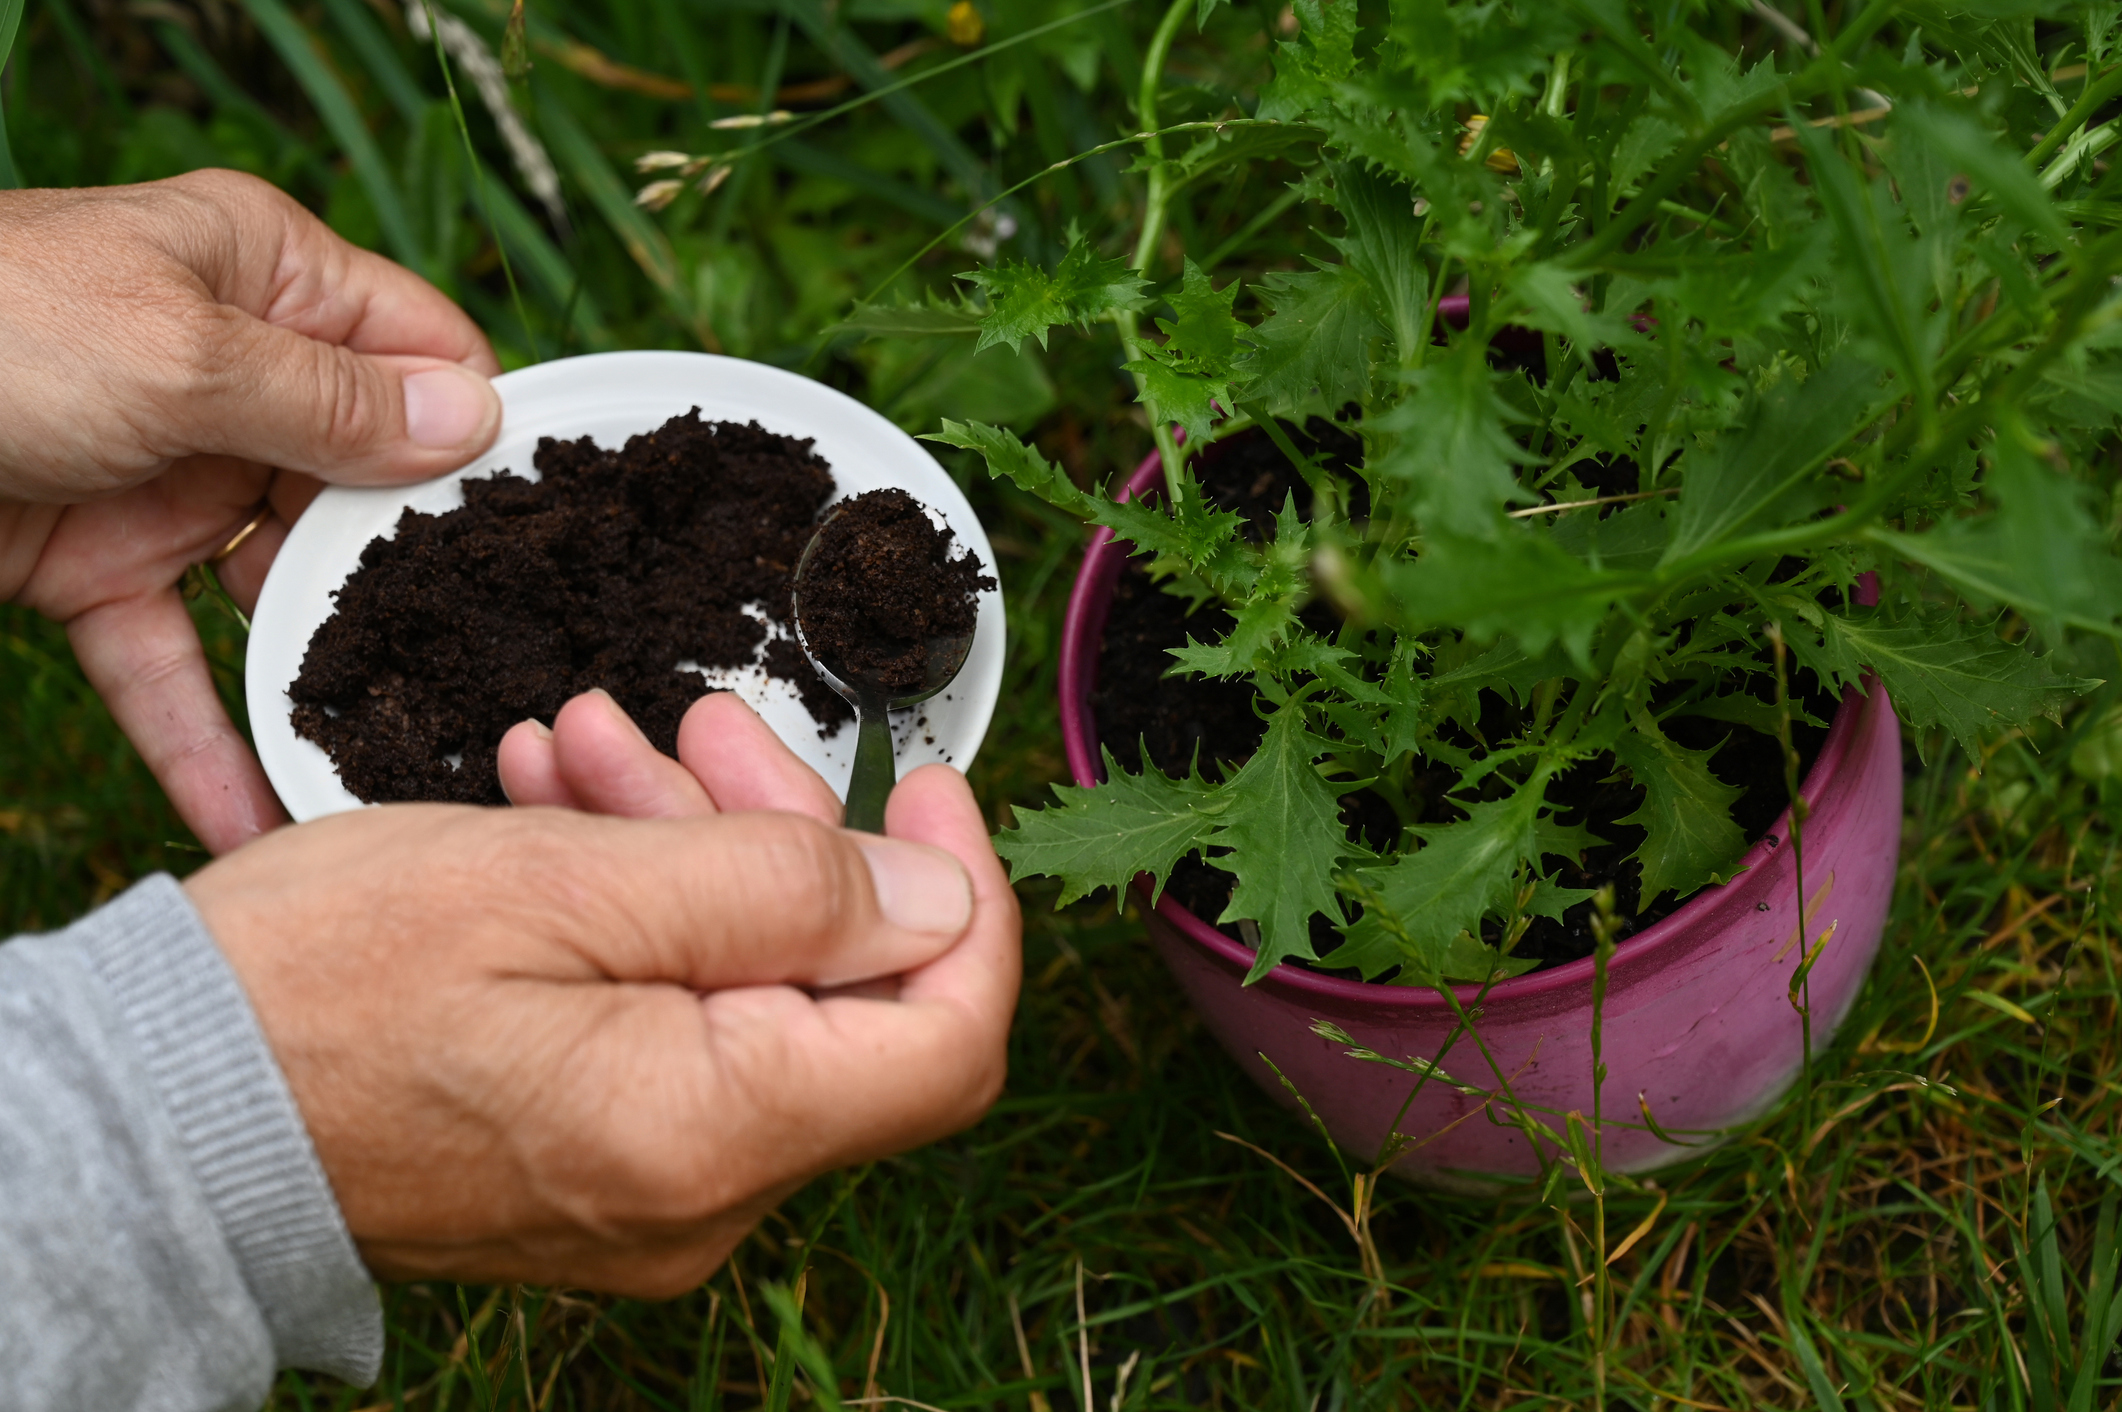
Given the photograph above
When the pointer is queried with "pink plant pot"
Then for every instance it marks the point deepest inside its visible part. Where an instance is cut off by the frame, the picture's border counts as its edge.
(1699, 1024)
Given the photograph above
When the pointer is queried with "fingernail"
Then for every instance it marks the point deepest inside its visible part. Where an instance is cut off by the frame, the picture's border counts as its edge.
(539, 728)
(445, 406)
(618, 712)
(919, 888)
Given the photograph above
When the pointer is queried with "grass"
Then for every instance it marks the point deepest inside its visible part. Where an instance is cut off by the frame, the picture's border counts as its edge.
(1940, 1234)
(1134, 1226)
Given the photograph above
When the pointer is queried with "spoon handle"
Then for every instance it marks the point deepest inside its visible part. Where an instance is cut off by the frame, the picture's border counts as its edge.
(876, 771)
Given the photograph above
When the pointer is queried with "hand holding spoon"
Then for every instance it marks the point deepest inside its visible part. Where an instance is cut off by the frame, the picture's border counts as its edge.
(875, 683)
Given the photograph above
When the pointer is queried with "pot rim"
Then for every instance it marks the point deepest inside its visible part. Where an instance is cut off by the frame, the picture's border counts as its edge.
(1090, 600)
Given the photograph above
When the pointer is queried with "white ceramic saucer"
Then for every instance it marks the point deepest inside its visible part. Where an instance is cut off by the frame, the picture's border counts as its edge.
(611, 396)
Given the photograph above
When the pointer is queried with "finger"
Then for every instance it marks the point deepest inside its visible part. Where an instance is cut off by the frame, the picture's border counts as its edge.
(260, 250)
(143, 657)
(142, 539)
(848, 1078)
(730, 900)
(243, 572)
(744, 765)
(530, 774)
(268, 394)
(609, 767)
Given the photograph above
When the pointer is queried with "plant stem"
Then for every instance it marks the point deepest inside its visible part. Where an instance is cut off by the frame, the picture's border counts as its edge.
(1169, 451)
(471, 157)
(2095, 93)
(1604, 924)
(1797, 858)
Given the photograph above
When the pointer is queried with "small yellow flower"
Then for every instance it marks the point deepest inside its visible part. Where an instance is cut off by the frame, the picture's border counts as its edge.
(1501, 160)
(964, 25)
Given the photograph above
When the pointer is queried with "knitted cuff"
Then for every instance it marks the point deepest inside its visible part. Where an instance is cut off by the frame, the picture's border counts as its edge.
(232, 1110)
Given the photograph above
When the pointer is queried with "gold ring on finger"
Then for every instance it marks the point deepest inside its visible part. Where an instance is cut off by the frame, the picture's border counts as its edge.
(235, 541)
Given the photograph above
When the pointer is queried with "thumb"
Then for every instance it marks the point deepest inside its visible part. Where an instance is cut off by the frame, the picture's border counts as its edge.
(734, 900)
(280, 398)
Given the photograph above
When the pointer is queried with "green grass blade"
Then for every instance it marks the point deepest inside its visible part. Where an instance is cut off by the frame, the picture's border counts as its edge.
(796, 1346)
(2100, 1305)
(860, 63)
(10, 22)
(293, 42)
(1808, 1354)
(474, 1358)
(523, 235)
(822, 161)
(379, 57)
(578, 154)
(203, 69)
(478, 181)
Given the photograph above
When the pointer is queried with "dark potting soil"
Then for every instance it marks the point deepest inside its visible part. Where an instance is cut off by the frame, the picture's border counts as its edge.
(1173, 717)
(882, 587)
(608, 571)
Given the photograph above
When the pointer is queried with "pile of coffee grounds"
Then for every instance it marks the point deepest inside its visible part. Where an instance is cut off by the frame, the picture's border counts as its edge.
(608, 571)
(1179, 720)
(882, 586)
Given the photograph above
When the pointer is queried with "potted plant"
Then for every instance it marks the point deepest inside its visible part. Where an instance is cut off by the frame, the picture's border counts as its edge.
(1683, 383)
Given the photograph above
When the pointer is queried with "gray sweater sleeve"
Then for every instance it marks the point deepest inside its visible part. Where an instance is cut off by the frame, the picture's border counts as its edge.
(167, 1236)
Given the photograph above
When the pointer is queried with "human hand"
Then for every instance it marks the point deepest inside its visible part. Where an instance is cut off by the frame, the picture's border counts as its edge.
(537, 1044)
(179, 358)
(594, 757)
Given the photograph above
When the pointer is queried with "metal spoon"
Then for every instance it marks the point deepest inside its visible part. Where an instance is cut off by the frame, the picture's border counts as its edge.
(876, 765)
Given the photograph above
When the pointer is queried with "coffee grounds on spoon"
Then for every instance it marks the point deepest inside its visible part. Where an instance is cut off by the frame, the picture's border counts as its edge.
(608, 571)
(882, 585)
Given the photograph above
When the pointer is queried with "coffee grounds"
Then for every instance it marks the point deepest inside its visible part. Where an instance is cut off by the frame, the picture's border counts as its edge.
(608, 571)
(882, 586)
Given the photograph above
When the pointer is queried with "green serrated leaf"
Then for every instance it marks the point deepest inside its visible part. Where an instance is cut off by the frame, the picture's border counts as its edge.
(1204, 332)
(1519, 585)
(1210, 540)
(1177, 395)
(1283, 828)
(1260, 625)
(1450, 448)
(1504, 665)
(1553, 299)
(1686, 812)
(1955, 134)
(1559, 840)
(1941, 671)
(1418, 904)
(1404, 717)
(1550, 900)
(1750, 711)
(1318, 339)
(1305, 69)
(2040, 552)
(1106, 835)
(1632, 539)
(1009, 458)
(1763, 473)
(1383, 245)
(1024, 301)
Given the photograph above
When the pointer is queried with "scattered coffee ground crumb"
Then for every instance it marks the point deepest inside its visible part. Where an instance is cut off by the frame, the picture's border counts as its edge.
(883, 584)
(607, 572)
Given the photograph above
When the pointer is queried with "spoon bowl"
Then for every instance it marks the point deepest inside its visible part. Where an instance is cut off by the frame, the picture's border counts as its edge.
(876, 767)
